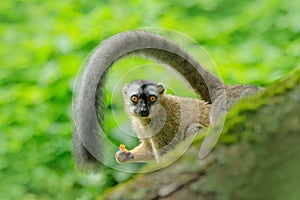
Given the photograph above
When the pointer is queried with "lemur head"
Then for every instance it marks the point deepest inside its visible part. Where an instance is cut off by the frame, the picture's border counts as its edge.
(141, 96)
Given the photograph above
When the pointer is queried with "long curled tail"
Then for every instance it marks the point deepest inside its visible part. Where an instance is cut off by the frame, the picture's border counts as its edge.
(88, 99)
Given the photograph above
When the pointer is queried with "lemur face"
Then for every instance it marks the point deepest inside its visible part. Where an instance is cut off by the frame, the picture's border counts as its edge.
(142, 96)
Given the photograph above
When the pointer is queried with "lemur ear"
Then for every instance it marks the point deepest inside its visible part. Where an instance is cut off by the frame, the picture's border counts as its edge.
(161, 88)
(125, 88)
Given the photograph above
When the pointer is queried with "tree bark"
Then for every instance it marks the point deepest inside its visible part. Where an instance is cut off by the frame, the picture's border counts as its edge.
(257, 156)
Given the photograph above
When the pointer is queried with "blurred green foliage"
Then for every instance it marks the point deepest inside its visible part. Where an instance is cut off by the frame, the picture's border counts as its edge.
(44, 43)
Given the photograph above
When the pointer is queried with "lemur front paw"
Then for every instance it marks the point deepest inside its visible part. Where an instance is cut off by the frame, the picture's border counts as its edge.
(123, 155)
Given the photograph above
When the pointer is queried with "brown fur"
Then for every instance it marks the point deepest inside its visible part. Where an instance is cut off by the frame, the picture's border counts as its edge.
(169, 123)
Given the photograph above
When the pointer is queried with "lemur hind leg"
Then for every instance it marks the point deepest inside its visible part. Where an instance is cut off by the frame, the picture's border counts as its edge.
(193, 129)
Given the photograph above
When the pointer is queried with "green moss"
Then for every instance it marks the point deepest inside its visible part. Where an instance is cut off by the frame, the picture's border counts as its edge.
(236, 119)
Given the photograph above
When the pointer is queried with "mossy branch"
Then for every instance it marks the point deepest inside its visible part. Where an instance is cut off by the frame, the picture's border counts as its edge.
(257, 156)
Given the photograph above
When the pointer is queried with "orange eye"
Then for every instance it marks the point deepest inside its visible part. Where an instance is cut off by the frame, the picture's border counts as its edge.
(152, 98)
(134, 98)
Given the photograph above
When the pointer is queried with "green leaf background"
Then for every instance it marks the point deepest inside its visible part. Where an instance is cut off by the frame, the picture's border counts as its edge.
(44, 44)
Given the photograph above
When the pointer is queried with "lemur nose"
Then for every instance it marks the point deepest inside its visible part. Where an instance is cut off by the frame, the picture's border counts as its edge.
(144, 112)
(143, 109)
